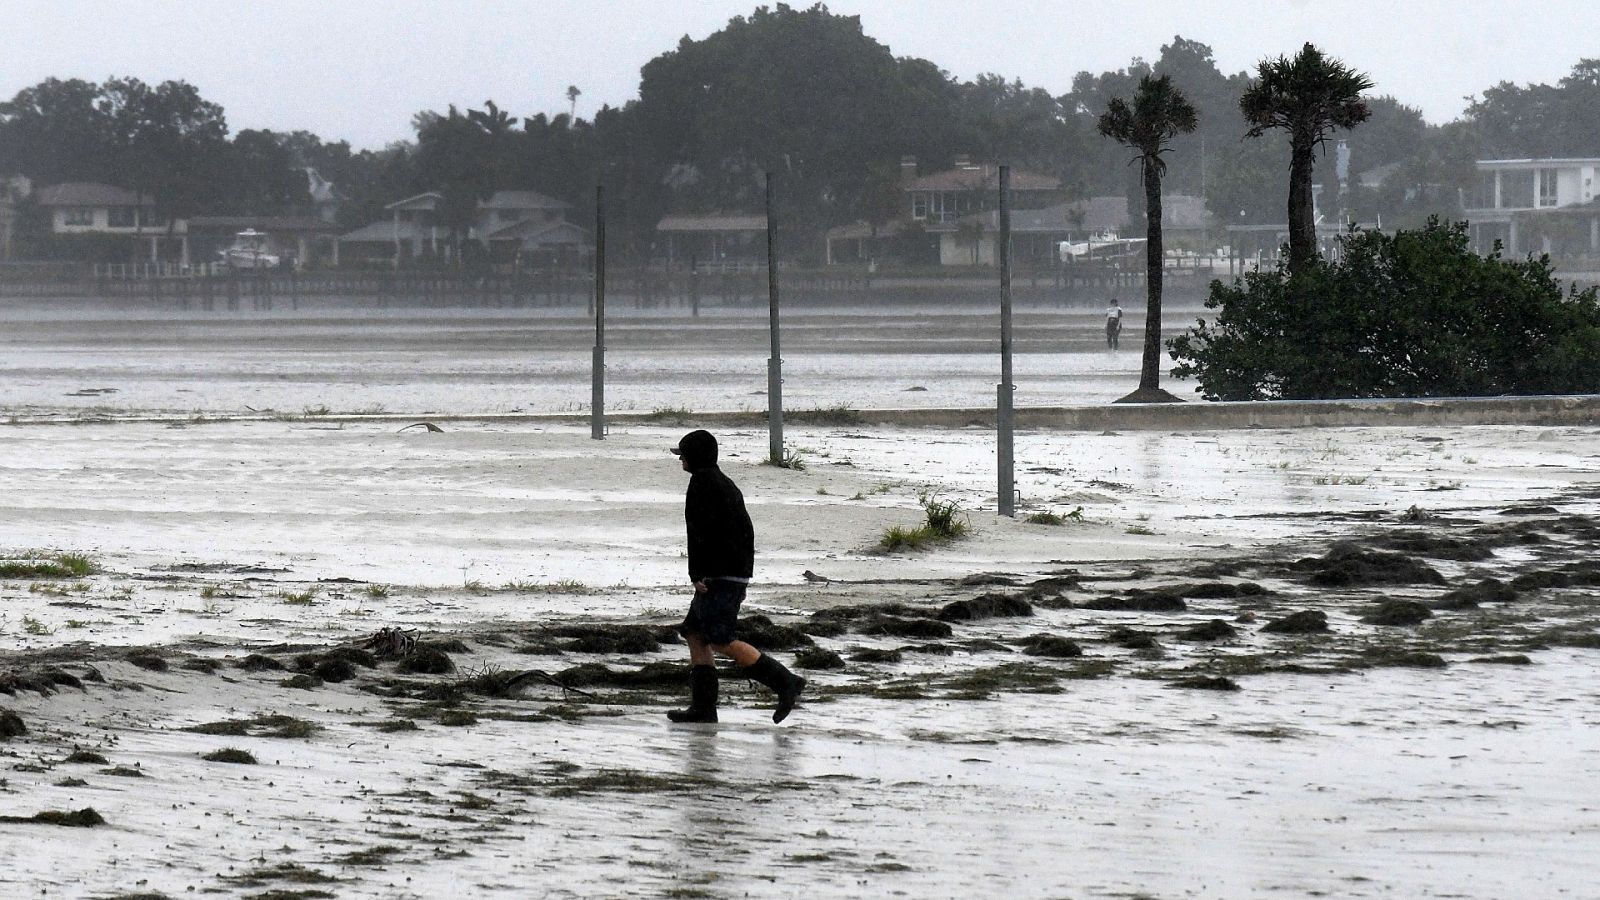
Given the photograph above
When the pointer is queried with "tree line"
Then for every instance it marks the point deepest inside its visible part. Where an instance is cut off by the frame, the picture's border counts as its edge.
(801, 92)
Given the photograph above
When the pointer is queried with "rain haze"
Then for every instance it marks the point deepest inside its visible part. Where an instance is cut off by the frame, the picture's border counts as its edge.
(709, 450)
(357, 71)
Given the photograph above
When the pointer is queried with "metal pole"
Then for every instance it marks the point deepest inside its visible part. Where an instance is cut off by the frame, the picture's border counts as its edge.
(1003, 413)
(597, 398)
(775, 362)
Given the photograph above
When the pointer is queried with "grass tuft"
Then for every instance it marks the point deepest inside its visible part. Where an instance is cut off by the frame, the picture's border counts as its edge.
(792, 459)
(59, 565)
(839, 414)
(943, 522)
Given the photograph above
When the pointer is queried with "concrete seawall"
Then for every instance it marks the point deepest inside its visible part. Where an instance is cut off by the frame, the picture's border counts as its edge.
(1573, 410)
(1578, 409)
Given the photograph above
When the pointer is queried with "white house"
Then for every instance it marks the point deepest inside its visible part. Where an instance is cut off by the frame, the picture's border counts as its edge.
(90, 208)
(1535, 206)
(509, 224)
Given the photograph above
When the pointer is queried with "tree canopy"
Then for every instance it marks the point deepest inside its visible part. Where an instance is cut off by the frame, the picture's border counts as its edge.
(801, 91)
(1306, 97)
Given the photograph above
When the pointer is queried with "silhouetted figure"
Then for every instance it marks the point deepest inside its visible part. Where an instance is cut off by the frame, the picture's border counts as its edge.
(721, 560)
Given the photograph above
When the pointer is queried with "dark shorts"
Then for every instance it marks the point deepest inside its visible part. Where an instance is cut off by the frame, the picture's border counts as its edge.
(713, 615)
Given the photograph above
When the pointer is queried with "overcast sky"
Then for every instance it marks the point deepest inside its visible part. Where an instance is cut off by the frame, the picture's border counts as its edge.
(357, 70)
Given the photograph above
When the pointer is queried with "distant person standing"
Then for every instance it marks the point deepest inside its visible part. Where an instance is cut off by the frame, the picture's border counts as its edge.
(721, 561)
(1113, 323)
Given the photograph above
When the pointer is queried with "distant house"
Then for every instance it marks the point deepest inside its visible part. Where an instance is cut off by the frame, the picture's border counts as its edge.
(1535, 206)
(714, 238)
(941, 215)
(511, 225)
(1035, 233)
(527, 227)
(84, 208)
(968, 187)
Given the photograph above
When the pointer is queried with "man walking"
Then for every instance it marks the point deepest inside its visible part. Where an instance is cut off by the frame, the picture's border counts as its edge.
(721, 560)
(1113, 323)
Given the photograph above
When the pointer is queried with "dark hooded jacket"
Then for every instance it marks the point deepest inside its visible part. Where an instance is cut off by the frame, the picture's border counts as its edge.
(722, 542)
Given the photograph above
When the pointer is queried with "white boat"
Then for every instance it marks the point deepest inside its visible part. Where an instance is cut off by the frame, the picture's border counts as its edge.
(249, 251)
(1097, 246)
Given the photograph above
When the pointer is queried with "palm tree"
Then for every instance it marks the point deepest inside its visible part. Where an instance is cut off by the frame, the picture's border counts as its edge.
(572, 97)
(1159, 113)
(1308, 96)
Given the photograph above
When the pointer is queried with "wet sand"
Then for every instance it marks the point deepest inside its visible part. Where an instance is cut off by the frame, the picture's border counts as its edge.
(934, 754)
(176, 590)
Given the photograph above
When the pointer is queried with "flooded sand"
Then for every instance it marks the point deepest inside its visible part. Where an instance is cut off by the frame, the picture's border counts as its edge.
(1140, 732)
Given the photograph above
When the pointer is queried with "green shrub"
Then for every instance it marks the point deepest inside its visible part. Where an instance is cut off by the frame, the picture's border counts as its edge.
(59, 565)
(1412, 314)
(943, 522)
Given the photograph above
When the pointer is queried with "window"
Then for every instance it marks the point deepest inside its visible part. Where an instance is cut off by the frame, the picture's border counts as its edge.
(1547, 187)
(1518, 189)
(77, 216)
(151, 217)
(1483, 197)
(919, 206)
(121, 217)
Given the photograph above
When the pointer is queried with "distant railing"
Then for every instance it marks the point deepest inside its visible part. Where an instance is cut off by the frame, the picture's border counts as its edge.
(136, 271)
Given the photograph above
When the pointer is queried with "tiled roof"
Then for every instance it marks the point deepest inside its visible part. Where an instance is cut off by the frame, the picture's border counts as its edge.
(427, 200)
(383, 231)
(984, 177)
(87, 193)
(529, 233)
(522, 200)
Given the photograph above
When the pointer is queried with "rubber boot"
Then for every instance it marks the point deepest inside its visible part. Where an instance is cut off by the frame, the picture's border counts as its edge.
(702, 697)
(783, 682)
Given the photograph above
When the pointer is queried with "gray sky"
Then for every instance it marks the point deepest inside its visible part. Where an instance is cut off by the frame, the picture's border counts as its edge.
(357, 69)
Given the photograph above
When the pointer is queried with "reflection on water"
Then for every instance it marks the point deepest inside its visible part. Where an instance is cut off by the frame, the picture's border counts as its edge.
(495, 361)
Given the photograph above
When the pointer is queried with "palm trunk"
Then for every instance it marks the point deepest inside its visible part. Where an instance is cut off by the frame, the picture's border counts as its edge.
(1150, 370)
(1302, 225)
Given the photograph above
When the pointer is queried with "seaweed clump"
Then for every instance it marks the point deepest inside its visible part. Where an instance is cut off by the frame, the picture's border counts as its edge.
(1132, 638)
(425, 660)
(1398, 613)
(763, 634)
(986, 606)
(1306, 621)
(1489, 590)
(1137, 601)
(1206, 683)
(818, 658)
(1348, 564)
(1051, 645)
(83, 818)
(1214, 630)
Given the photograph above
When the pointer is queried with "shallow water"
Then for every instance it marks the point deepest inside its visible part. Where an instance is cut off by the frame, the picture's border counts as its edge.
(497, 361)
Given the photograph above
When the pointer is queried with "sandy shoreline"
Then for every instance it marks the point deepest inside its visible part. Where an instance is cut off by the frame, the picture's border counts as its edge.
(941, 758)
